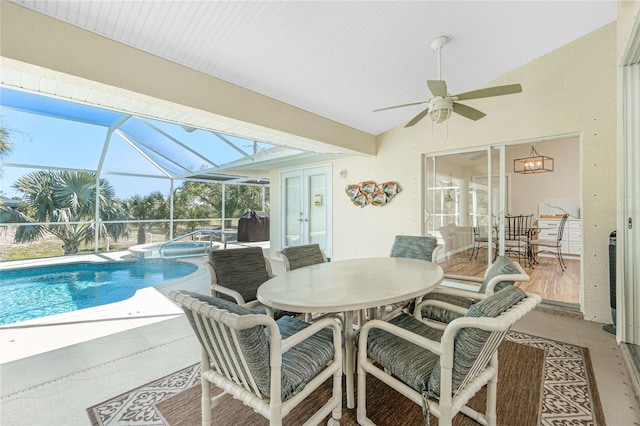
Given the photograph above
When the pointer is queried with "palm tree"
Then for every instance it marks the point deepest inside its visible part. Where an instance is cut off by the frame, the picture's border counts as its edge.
(151, 206)
(5, 140)
(64, 198)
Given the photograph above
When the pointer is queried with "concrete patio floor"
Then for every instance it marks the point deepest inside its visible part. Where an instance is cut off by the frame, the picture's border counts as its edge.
(57, 386)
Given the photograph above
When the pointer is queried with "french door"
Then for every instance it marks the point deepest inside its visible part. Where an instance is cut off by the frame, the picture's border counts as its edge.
(306, 207)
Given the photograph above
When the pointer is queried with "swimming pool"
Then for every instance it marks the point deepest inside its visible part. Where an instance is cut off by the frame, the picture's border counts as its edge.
(29, 293)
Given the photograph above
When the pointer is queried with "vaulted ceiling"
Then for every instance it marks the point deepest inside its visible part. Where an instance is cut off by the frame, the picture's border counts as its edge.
(341, 59)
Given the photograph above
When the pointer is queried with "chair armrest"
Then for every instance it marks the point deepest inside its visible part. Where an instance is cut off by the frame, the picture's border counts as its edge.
(458, 292)
(433, 323)
(463, 278)
(267, 263)
(231, 293)
(499, 323)
(216, 288)
(434, 254)
(428, 344)
(437, 304)
(521, 276)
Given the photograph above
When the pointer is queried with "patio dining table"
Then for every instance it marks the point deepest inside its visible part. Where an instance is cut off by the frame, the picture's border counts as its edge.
(349, 286)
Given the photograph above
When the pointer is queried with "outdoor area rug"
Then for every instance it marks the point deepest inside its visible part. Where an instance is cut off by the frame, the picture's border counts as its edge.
(541, 382)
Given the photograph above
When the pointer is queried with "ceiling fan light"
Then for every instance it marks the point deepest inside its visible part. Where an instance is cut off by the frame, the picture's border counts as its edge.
(440, 110)
(533, 163)
(440, 115)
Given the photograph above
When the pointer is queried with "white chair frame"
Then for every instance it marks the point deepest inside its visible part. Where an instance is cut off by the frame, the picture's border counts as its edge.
(480, 375)
(239, 383)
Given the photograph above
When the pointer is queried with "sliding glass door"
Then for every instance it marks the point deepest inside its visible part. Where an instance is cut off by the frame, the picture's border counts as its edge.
(461, 202)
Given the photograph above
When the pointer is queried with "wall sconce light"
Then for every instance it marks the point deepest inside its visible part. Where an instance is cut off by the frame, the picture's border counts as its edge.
(533, 163)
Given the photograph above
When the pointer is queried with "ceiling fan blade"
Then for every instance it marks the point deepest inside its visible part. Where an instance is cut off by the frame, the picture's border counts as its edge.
(417, 118)
(400, 106)
(467, 111)
(490, 91)
(437, 87)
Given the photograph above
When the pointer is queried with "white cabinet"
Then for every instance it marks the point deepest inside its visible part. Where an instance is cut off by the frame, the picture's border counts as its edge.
(571, 237)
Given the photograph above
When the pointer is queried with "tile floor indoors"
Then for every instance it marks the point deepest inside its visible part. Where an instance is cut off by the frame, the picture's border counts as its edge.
(56, 387)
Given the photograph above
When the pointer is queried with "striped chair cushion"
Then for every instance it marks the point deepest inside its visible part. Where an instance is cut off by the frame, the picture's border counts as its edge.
(470, 341)
(301, 256)
(299, 365)
(242, 270)
(436, 313)
(306, 359)
(414, 247)
(502, 265)
(405, 360)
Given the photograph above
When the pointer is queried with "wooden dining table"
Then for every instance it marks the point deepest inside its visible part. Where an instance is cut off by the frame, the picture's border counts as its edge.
(348, 286)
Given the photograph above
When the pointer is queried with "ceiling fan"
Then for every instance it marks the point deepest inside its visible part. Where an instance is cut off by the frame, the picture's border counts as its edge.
(441, 104)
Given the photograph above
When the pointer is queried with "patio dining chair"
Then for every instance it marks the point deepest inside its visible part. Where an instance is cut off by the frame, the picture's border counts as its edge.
(296, 257)
(457, 293)
(236, 274)
(271, 366)
(412, 247)
(441, 370)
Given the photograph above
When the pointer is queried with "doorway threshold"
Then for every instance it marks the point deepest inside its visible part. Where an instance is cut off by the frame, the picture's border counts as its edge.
(560, 308)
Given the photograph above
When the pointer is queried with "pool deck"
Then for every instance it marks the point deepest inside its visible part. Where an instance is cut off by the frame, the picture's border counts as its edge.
(147, 306)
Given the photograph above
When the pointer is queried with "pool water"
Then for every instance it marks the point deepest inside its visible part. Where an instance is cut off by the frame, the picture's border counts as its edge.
(30, 293)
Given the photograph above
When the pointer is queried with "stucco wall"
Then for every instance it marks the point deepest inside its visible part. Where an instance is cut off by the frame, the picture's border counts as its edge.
(528, 191)
(569, 91)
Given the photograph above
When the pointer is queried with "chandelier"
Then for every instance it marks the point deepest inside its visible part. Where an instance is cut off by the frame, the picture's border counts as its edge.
(533, 163)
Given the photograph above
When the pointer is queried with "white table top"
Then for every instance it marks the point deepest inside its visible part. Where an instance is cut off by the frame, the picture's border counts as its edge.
(349, 285)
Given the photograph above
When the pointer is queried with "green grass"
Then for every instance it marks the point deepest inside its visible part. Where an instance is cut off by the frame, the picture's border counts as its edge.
(51, 246)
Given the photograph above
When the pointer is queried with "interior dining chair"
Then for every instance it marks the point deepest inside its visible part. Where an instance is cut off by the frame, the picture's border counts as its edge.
(441, 369)
(517, 231)
(413, 247)
(271, 366)
(480, 240)
(456, 293)
(296, 257)
(553, 247)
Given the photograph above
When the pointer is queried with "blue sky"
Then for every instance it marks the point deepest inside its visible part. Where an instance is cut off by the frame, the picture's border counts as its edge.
(42, 140)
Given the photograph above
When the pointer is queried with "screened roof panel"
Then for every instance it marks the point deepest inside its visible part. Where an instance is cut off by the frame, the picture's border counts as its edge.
(121, 157)
(41, 140)
(172, 155)
(135, 145)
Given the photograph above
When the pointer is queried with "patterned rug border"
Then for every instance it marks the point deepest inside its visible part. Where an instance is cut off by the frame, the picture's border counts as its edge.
(562, 399)
(565, 401)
